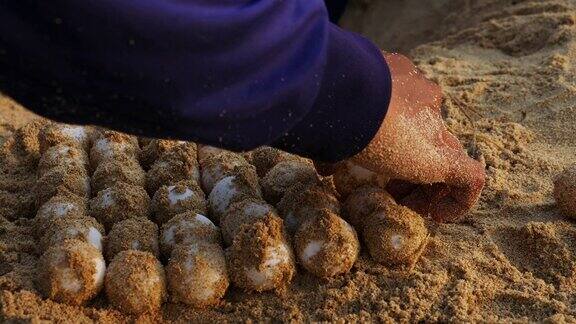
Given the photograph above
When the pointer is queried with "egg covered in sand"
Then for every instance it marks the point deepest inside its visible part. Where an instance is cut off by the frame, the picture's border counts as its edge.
(144, 141)
(135, 282)
(62, 155)
(120, 202)
(170, 169)
(242, 212)
(62, 178)
(565, 192)
(242, 185)
(54, 134)
(349, 176)
(63, 204)
(395, 236)
(178, 198)
(326, 245)
(27, 139)
(85, 229)
(304, 201)
(109, 173)
(260, 257)
(157, 148)
(71, 272)
(132, 234)
(285, 175)
(265, 158)
(111, 145)
(197, 274)
(187, 228)
(363, 202)
(219, 166)
(206, 152)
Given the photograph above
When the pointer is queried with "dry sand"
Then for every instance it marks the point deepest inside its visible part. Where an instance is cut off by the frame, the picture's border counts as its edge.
(508, 70)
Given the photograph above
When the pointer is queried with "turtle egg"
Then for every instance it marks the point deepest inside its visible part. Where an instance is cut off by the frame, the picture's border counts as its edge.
(363, 202)
(157, 148)
(27, 138)
(260, 257)
(178, 198)
(349, 176)
(265, 158)
(62, 205)
(305, 201)
(112, 172)
(395, 235)
(242, 212)
(62, 178)
(85, 229)
(120, 202)
(197, 274)
(132, 234)
(187, 228)
(135, 282)
(206, 152)
(62, 155)
(217, 167)
(54, 134)
(111, 146)
(71, 272)
(285, 175)
(231, 189)
(171, 169)
(326, 245)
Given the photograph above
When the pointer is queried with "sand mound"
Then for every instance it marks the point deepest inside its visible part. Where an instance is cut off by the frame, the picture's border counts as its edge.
(508, 70)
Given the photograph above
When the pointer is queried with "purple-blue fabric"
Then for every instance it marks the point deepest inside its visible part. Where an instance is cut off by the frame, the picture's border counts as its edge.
(231, 73)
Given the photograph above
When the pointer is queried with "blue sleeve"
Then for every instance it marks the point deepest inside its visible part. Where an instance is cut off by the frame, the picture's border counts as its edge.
(231, 73)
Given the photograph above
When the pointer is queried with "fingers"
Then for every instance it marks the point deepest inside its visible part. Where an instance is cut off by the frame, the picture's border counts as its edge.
(436, 97)
(435, 201)
(400, 189)
(419, 148)
(449, 202)
(400, 65)
(467, 172)
(427, 94)
(466, 182)
(416, 88)
(452, 142)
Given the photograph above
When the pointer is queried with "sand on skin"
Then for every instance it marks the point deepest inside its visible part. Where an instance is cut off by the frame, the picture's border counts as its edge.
(508, 70)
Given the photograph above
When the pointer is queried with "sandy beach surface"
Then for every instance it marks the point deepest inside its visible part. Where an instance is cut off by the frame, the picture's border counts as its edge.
(508, 71)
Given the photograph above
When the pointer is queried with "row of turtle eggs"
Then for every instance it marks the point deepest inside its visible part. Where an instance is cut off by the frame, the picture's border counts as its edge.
(259, 254)
(196, 267)
(72, 268)
(326, 245)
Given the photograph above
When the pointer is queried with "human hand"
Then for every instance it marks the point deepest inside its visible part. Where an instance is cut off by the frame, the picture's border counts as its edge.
(430, 170)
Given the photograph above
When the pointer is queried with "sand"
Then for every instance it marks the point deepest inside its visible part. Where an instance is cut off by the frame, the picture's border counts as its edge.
(508, 70)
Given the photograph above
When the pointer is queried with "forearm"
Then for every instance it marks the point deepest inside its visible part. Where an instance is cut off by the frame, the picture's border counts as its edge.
(351, 103)
(213, 73)
(233, 75)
